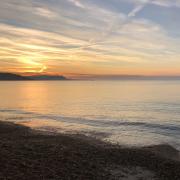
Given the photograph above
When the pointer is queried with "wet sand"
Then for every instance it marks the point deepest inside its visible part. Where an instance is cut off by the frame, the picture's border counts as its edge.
(29, 154)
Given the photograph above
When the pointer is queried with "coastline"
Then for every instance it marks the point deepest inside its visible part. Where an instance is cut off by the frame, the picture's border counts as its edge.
(28, 154)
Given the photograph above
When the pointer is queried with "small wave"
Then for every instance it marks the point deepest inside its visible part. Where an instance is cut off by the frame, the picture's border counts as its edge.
(16, 111)
(114, 123)
(171, 128)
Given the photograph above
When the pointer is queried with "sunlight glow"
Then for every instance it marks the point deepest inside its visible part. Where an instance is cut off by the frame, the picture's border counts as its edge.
(43, 69)
(32, 65)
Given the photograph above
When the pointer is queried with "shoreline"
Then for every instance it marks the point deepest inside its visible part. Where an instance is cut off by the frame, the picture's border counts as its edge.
(28, 154)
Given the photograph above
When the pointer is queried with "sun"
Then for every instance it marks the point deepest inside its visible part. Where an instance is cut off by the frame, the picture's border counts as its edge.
(31, 65)
(44, 67)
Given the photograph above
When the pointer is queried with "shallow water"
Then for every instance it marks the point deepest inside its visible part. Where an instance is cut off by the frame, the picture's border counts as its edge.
(127, 112)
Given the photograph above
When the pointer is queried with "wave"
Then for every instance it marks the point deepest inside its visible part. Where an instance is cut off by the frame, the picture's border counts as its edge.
(171, 128)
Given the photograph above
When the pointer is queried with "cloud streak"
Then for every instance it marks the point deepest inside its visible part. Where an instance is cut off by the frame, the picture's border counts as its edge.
(114, 25)
(85, 37)
(45, 12)
(163, 3)
(77, 3)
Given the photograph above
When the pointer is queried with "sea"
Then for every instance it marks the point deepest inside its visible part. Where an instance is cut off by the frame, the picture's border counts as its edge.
(126, 112)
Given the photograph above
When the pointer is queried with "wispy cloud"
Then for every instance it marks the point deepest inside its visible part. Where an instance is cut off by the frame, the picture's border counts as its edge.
(77, 3)
(137, 9)
(76, 36)
(45, 12)
(164, 3)
(116, 24)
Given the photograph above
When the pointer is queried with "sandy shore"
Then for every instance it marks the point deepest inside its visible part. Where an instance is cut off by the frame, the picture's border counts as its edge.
(29, 154)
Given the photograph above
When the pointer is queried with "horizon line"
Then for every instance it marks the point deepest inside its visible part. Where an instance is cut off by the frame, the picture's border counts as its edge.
(99, 76)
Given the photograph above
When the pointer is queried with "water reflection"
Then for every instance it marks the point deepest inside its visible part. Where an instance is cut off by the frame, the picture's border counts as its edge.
(131, 111)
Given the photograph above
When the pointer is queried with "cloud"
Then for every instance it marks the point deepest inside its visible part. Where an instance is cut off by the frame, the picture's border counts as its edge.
(166, 3)
(45, 12)
(63, 37)
(163, 3)
(136, 10)
(77, 3)
(116, 23)
(31, 48)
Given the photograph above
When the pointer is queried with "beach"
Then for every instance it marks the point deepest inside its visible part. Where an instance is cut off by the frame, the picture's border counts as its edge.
(32, 154)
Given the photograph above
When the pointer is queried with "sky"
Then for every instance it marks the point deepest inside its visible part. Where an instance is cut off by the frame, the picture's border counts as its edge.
(90, 37)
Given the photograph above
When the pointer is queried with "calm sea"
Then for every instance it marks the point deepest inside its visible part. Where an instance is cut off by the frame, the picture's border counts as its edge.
(127, 112)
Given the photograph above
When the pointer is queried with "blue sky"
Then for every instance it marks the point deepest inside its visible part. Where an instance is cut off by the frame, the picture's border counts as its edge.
(90, 36)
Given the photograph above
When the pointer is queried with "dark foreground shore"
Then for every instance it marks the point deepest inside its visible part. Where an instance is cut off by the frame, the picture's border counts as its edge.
(28, 154)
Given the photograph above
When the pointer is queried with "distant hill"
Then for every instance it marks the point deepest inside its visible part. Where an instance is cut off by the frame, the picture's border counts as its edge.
(47, 77)
(12, 77)
(15, 77)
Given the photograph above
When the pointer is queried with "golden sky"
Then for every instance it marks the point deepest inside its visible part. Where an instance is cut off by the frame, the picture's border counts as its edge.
(77, 37)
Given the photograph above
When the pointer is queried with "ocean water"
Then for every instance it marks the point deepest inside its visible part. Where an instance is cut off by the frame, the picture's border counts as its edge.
(126, 112)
